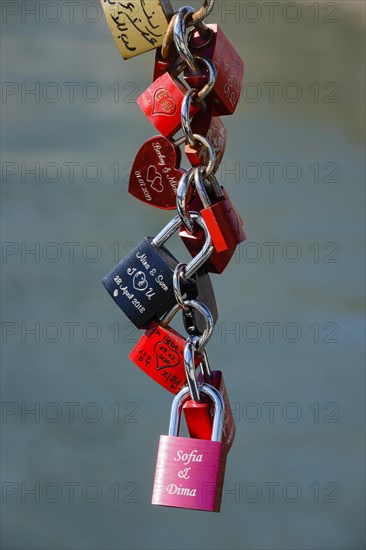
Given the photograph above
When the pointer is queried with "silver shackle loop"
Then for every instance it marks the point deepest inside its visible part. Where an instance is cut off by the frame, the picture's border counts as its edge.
(180, 39)
(182, 202)
(201, 188)
(206, 368)
(179, 273)
(198, 97)
(190, 368)
(185, 116)
(206, 251)
(187, 179)
(203, 12)
(183, 395)
(204, 311)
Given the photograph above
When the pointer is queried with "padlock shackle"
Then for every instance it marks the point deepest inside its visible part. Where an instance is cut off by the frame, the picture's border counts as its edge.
(180, 40)
(203, 310)
(166, 232)
(205, 367)
(201, 188)
(190, 367)
(203, 12)
(198, 261)
(198, 96)
(182, 203)
(197, 174)
(183, 395)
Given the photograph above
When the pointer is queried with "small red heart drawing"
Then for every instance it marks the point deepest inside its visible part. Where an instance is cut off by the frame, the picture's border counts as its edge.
(154, 176)
(166, 358)
(163, 104)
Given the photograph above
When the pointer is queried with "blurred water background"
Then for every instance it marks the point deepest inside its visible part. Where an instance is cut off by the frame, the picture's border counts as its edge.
(290, 337)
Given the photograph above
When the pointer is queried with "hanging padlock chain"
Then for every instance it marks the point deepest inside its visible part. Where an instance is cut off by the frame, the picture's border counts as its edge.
(197, 78)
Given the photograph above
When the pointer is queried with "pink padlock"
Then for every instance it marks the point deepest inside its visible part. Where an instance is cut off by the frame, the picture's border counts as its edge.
(190, 472)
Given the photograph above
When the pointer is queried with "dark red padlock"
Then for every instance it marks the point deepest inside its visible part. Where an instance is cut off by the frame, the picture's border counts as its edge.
(199, 415)
(172, 63)
(229, 67)
(160, 354)
(207, 124)
(155, 174)
(162, 102)
(224, 225)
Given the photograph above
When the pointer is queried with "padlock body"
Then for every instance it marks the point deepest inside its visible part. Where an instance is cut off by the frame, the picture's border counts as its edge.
(162, 102)
(209, 125)
(142, 283)
(229, 66)
(161, 65)
(217, 262)
(224, 225)
(155, 176)
(137, 26)
(226, 229)
(217, 381)
(160, 354)
(199, 417)
(189, 473)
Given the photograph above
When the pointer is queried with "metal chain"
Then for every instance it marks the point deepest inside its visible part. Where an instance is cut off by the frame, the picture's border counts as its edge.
(178, 33)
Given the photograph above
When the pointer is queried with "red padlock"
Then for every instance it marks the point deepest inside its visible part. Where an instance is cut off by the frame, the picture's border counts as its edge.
(229, 67)
(223, 223)
(160, 351)
(207, 124)
(199, 415)
(160, 354)
(162, 102)
(172, 63)
(154, 176)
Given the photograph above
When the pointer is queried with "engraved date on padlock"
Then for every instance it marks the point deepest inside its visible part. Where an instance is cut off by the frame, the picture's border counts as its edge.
(155, 176)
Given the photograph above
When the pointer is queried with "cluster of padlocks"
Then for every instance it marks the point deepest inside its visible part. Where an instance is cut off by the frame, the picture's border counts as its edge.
(197, 78)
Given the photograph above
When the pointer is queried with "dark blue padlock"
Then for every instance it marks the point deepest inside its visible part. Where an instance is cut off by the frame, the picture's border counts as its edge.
(142, 283)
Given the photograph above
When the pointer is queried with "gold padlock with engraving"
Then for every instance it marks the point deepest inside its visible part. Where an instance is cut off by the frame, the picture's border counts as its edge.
(137, 26)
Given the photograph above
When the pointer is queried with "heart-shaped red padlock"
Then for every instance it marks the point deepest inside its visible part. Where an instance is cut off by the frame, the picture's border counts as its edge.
(155, 177)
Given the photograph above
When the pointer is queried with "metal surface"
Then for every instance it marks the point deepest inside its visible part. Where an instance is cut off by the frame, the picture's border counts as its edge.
(207, 248)
(219, 405)
(203, 310)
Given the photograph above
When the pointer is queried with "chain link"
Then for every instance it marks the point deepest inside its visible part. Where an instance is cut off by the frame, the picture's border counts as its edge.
(179, 34)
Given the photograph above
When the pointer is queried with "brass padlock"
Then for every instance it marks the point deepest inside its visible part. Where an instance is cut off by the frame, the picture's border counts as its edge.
(137, 26)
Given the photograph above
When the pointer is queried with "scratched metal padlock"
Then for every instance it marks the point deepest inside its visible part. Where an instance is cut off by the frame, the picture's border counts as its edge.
(137, 26)
(221, 217)
(229, 67)
(142, 283)
(199, 414)
(160, 351)
(162, 102)
(190, 472)
(155, 173)
(209, 125)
